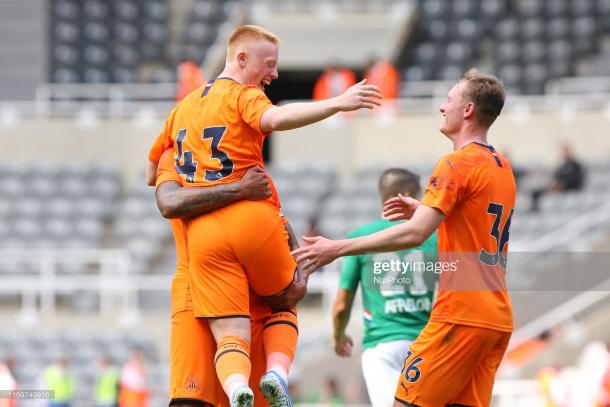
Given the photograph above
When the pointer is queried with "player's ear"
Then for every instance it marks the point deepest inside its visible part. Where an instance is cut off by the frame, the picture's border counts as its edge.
(469, 110)
(241, 58)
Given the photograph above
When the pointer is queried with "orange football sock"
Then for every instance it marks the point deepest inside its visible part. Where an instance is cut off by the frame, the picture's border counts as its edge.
(232, 363)
(280, 336)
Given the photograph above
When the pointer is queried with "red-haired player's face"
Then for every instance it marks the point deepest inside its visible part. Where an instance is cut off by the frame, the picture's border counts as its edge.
(261, 63)
(453, 110)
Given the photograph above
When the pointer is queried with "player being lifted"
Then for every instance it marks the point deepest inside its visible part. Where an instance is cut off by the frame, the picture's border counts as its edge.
(471, 196)
(394, 312)
(192, 377)
(217, 133)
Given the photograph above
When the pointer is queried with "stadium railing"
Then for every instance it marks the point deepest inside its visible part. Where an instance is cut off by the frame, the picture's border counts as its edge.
(110, 276)
(126, 100)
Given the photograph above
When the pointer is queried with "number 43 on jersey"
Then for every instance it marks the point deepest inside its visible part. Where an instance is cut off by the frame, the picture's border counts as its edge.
(184, 159)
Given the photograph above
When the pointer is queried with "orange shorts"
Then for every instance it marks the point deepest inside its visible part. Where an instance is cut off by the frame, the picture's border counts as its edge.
(232, 249)
(451, 364)
(192, 375)
(192, 372)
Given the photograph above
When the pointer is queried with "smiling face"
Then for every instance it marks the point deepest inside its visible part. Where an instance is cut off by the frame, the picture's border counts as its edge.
(259, 63)
(455, 110)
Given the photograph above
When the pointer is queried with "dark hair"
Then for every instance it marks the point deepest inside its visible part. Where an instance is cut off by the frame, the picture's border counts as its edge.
(396, 181)
(487, 93)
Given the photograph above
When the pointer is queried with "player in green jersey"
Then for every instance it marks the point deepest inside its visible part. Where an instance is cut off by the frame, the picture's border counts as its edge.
(397, 296)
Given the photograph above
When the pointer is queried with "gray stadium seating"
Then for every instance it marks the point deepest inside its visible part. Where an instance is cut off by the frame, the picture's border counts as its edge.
(96, 41)
(530, 41)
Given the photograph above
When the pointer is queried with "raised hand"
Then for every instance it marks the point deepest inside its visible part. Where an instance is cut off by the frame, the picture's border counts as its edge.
(254, 185)
(359, 96)
(399, 208)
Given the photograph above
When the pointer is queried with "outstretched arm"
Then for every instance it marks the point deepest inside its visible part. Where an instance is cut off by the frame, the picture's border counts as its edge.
(295, 115)
(177, 202)
(342, 343)
(320, 251)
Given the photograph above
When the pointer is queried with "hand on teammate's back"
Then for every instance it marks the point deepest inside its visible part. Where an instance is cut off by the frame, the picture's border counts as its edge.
(399, 208)
(359, 96)
(343, 346)
(254, 185)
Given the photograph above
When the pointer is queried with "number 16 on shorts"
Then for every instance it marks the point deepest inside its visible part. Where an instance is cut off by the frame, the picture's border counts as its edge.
(410, 369)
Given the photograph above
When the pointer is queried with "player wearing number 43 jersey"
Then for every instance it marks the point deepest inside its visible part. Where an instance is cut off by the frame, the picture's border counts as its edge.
(217, 133)
(471, 196)
(397, 296)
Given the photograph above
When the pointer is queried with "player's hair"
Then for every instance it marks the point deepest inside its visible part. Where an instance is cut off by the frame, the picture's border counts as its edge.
(487, 93)
(396, 181)
(247, 33)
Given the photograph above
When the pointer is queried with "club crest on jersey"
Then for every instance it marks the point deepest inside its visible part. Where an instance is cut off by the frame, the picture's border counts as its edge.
(442, 183)
(192, 384)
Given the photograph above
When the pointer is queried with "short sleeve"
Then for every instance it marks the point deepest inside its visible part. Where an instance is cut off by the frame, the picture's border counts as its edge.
(350, 272)
(252, 104)
(163, 141)
(442, 191)
(166, 170)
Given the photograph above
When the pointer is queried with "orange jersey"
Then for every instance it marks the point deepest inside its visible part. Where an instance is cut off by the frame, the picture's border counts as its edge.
(215, 132)
(181, 299)
(474, 187)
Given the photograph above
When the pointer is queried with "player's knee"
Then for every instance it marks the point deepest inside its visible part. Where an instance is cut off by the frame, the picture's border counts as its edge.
(224, 327)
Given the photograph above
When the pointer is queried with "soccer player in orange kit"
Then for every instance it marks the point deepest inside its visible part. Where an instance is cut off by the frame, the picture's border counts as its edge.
(192, 378)
(471, 196)
(217, 133)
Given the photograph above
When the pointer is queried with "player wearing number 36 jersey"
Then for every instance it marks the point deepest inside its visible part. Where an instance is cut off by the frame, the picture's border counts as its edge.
(471, 196)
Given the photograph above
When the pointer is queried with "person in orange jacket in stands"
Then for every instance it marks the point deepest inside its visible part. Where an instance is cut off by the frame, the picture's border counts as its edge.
(334, 81)
(383, 74)
(190, 78)
(134, 390)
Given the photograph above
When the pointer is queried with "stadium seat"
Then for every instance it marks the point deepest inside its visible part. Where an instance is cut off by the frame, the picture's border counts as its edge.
(556, 8)
(435, 9)
(66, 9)
(58, 228)
(461, 9)
(438, 30)
(532, 29)
(507, 29)
(530, 8)
(28, 208)
(582, 8)
(126, 10)
(96, 9)
(66, 32)
(492, 9)
(557, 29)
(26, 228)
(508, 52)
